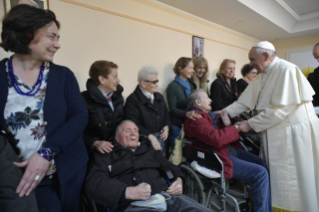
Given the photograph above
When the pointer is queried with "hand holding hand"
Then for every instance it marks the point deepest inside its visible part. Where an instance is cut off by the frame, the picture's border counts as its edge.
(193, 115)
(225, 118)
(103, 146)
(176, 188)
(217, 112)
(164, 133)
(243, 126)
(37, 167)
(155, 143)
(140, 192)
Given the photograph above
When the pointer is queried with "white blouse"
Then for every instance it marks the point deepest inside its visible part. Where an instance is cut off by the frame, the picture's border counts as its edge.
(24, 115)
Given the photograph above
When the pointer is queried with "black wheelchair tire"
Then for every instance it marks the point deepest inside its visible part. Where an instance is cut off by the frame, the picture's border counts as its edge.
(193, 185)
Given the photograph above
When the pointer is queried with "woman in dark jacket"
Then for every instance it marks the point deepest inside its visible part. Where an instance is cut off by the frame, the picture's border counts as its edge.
(177, 93)
(42, 113)
(223, 90)
(249, 73)
(147, 108)
(105, 104)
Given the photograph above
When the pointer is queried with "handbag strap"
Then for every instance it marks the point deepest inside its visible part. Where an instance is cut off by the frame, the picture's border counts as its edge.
(182, 133)
(103, 123)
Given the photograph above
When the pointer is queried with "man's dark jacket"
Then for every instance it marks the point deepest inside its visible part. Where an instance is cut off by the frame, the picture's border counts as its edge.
(150, 118)
(94, 99)
(313, 79)
(10, 176)
(110, 174)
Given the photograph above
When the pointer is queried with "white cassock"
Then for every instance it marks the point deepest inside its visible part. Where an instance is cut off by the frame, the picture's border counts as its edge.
(290, 134)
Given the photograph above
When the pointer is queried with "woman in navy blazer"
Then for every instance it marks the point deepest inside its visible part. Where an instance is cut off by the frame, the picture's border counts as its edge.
(59, 116)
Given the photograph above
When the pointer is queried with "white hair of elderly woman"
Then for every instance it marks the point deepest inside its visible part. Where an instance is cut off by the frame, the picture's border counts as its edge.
(145, 73)
(33, 3)
(195, 95)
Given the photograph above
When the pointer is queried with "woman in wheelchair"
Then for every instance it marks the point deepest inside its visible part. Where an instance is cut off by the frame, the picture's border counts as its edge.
(215, 130)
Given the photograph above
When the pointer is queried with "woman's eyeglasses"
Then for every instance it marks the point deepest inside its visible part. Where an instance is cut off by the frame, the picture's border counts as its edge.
(154, 82)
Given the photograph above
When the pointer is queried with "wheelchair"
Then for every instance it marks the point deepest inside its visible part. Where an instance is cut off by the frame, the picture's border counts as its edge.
(201, 188)
(91, 206)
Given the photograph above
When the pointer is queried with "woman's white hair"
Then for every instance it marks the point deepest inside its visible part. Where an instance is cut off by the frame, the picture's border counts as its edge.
(33, 2)
(195, 95)
(145, 73)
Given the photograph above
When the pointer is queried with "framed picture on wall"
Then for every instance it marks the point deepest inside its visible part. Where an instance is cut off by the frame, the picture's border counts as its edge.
(198, 47)
(8, 4)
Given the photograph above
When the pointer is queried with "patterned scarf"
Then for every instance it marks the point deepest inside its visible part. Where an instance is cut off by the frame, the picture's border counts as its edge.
(234, 92)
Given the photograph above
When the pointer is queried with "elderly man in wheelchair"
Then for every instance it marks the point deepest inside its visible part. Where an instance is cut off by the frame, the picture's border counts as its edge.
(215, 130)
(129, 178)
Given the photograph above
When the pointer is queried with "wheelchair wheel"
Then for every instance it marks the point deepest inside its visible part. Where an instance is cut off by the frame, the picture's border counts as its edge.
(193, 186)
(244, 206)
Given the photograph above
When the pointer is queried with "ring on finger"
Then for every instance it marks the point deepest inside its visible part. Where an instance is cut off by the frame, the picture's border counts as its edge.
(37, 178)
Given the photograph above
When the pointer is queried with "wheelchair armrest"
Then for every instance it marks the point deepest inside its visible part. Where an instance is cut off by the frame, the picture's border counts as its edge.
(202, 145)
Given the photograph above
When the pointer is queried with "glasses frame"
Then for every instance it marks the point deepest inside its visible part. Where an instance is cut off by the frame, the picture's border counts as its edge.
(154, 82)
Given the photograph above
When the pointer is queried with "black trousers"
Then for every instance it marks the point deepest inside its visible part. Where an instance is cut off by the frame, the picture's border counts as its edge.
(10, 177)
(53, 197)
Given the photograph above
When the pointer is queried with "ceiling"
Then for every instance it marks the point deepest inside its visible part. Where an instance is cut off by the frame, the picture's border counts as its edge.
(272, 20)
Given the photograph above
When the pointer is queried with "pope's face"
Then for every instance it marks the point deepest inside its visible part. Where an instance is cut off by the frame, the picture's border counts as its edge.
(316, 53)
(197, 50)
(258, 61)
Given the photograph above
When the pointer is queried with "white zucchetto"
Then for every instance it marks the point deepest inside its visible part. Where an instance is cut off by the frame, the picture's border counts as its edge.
(264, 45)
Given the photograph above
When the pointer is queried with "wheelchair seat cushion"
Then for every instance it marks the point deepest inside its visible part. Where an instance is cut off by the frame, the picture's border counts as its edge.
(205, 171)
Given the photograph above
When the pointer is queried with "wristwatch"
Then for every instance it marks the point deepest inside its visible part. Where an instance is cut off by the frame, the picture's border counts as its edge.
(47, 153)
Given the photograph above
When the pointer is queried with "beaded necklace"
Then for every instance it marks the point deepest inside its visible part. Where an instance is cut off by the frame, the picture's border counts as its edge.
(35, 88)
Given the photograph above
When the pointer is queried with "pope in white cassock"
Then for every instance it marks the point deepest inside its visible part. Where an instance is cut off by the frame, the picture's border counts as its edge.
(289, 126)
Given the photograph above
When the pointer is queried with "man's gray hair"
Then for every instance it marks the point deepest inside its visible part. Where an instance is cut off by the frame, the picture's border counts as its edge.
(119, 127)
(145, 73)
(195, 95)
(261, 51)
(317, 44)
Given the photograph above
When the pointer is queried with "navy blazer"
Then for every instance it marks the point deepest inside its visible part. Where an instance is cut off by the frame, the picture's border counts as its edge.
(66, 116)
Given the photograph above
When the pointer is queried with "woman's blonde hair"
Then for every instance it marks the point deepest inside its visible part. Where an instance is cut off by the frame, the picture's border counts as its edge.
(223, 66)
(202, 82)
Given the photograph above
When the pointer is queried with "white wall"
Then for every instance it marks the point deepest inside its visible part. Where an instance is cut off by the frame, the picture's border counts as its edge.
(147, 34)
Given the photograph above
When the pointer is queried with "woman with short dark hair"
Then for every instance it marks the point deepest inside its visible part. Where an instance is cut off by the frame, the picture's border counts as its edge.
(249, 73)
(105, 104)
(42, 112)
